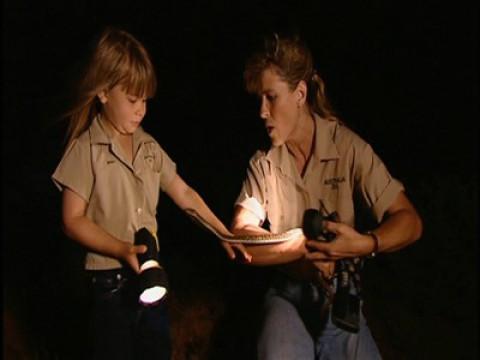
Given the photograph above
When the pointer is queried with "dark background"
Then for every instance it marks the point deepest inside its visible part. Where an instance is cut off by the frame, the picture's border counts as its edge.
(403, 76)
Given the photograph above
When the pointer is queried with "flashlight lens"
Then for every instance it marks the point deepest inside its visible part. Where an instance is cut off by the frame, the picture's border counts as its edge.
(152, 295)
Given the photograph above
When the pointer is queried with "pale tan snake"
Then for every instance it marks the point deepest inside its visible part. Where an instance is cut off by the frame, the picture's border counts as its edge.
(289, 235)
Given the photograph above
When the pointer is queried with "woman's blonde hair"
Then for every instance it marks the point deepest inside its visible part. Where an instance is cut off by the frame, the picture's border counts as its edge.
(117, 59)
(291, 59)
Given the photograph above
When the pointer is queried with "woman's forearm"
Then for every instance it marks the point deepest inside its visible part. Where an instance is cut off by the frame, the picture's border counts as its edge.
(283, 253)
(399, 230)
(271, 254)
(402, 225)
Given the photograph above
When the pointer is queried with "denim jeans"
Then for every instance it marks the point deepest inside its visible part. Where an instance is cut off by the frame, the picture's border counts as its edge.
(121, 328)
(293, 328)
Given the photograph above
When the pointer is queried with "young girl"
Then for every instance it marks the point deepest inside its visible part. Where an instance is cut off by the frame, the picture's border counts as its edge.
(111, 175)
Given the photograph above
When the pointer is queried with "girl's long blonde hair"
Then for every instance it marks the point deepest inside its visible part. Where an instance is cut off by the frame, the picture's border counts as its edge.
(291, 59)
(117, 59)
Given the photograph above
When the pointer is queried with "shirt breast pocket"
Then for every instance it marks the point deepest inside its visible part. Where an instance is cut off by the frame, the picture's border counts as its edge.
(286, 189)
(108, 172)
(287, 205)
(149, 161)
(105, 162)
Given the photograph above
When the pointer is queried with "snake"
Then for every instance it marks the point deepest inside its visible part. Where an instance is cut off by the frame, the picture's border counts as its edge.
(270, 238)
(259, 239)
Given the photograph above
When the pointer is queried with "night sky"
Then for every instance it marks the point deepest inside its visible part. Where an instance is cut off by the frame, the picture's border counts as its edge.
(403, 76)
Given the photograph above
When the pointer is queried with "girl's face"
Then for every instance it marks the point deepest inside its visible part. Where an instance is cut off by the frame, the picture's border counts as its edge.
(125, 112)
(280, 107)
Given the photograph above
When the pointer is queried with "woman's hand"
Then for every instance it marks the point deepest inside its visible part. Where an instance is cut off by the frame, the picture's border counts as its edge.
(326, 268)
(348, 243)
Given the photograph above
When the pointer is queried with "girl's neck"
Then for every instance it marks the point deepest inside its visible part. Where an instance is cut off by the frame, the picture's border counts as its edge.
(125, 140)
(113, 130)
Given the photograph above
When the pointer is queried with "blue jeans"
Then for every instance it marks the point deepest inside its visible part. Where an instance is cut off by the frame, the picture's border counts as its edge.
(121, 328)
(293, 328)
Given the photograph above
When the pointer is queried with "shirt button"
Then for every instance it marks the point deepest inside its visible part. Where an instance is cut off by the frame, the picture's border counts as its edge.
(139, 211)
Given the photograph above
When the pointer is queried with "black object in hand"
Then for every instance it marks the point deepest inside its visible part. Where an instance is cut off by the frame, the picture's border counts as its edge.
(152, 281)
(145, 237)
(314, 225)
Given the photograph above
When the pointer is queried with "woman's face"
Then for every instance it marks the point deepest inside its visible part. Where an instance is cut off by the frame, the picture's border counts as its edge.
(280, 107)
(125, 112)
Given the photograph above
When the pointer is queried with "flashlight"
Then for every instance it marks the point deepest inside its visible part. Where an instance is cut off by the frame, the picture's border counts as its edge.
(153, 282)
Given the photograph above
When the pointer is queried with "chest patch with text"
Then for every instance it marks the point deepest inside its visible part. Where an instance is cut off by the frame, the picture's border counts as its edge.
(334, 182)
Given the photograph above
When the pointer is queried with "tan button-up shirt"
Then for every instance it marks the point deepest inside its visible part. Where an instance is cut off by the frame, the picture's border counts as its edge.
(342, 164)
(121, 197)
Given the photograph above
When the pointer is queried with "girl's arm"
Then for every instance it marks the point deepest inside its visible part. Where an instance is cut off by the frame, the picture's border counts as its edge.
(187, 198)
(81, 229)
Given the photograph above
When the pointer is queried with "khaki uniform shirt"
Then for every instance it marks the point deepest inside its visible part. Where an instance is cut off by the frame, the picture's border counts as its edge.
(341, 165)
(122, 197)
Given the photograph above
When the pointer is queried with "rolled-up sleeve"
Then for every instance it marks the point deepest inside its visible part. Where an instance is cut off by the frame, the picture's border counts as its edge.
(374, 182)
(75, 170)
(253, 193)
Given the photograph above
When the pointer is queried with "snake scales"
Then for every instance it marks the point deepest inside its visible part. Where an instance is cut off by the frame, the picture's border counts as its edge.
(247, 239)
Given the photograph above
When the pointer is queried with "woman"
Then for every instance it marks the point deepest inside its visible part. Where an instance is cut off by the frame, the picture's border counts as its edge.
(316, 162)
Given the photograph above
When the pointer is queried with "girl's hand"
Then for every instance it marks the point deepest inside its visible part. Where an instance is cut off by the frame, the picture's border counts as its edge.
(233, 249)
(129, 255)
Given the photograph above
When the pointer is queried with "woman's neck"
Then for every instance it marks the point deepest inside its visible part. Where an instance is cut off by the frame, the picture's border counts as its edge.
(301, 143)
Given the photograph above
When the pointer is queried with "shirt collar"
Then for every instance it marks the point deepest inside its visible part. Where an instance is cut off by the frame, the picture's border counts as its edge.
(98, 134)
(325, 147)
